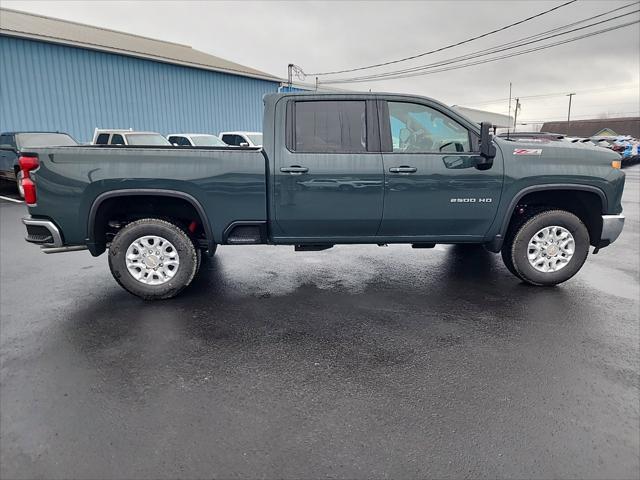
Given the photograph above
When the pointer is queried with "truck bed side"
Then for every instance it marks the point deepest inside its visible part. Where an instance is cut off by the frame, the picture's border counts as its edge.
(229, 184)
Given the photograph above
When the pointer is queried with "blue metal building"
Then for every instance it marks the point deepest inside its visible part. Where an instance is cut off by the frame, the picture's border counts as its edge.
(59, 75)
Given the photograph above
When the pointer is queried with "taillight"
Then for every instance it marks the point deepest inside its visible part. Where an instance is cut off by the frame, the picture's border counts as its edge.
(28, 163)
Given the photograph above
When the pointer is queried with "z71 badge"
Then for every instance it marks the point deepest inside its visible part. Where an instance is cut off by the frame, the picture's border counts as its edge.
(527, 151)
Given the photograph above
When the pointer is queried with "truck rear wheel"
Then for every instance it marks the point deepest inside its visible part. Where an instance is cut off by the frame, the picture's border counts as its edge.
(547, 249)
(153, 259)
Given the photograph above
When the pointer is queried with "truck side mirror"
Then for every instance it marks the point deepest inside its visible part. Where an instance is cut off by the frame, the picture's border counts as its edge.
(487, 148)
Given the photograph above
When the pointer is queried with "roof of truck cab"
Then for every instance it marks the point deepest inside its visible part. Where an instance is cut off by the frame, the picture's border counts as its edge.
(33, 131)
(125, 132)
(20, 24)
(240, 132)
(192, 135)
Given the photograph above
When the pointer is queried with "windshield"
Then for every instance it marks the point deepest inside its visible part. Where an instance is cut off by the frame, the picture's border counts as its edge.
(35, 140)
(256, 138)
(146, 139)
(207, 141)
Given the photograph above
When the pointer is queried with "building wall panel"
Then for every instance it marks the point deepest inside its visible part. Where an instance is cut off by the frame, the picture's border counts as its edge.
(44, 86)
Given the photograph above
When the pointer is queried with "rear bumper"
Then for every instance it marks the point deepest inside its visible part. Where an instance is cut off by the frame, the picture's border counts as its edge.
(611, 228)
(42, 232)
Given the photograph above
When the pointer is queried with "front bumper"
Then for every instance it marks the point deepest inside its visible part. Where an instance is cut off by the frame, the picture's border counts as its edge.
(611, 228)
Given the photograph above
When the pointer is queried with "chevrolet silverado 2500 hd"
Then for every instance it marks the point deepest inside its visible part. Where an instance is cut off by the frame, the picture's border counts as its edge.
(334, 169)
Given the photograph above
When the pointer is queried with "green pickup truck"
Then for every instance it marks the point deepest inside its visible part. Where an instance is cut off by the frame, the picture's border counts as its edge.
(334, 169)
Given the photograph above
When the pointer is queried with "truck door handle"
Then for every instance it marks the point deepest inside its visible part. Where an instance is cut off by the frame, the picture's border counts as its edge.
(294, 169)
(403, 169)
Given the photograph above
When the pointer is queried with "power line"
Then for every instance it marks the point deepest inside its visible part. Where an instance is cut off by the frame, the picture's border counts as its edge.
(503, 47)
(635, 112)
(455, 67)
(480, 53)
(391, 62)
(623, 86)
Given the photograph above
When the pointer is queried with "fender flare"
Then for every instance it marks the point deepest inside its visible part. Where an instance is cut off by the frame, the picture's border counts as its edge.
(496, 243)
(147, 192)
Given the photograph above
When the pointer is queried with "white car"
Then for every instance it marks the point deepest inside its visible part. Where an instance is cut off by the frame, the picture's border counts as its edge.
(242, 139)
(195, 140)
(127, 137)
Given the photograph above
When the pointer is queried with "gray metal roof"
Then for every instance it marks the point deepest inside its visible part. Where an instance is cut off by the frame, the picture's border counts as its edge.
(589, 128)
(496, 119)
(38, 27)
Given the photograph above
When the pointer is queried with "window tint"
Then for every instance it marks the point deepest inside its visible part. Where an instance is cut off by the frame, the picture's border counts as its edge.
(207, 141)
(417, 128)
(233, 140)
(330, 126)
(181, 141)
(34, 140)
(117, 139)
(102, 139)
(7, 141)
(148, 139)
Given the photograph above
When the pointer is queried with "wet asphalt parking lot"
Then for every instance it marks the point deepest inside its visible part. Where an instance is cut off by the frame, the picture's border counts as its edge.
(356, 362)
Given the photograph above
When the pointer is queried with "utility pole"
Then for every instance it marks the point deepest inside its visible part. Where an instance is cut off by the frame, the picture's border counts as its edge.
(570, 95)
(509, 114)
(515, 113)
(289, 74)
(316, 84)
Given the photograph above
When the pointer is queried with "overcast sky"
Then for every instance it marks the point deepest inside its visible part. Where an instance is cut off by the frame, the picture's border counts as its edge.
(604, 71)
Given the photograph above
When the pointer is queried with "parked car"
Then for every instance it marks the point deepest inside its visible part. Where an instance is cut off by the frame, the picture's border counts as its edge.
(446, 181)
(195, 140)
(242, 139)
(127, 137)
(12, 143)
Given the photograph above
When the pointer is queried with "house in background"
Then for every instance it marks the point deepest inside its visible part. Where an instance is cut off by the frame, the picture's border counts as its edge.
(601, 127)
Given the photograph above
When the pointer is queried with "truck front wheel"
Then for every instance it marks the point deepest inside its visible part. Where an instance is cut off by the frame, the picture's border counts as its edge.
(153, 259)
(547, 249)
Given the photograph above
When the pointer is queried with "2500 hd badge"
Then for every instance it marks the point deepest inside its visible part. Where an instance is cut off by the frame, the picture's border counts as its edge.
(471, 200)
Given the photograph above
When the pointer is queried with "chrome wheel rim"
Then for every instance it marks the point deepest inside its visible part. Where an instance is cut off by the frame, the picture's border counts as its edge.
(152, 260)
(551, 249)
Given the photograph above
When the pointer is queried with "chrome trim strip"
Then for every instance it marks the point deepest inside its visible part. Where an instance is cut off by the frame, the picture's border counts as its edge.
(611, 227)
(49, 225)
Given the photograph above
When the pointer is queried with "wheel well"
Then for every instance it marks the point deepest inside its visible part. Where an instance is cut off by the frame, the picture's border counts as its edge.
(115, 212)
(587, 206)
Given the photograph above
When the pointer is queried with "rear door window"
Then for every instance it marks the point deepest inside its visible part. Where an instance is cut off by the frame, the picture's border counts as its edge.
(6, 141)
(117, 139)
(103, 139)
(232, 139)
(329, 127)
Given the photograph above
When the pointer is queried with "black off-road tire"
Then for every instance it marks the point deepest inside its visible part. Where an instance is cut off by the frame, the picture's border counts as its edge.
(167, 230)
(517, 243)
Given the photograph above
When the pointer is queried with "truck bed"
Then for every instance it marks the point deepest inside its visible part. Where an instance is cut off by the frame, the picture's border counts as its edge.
(228, 181)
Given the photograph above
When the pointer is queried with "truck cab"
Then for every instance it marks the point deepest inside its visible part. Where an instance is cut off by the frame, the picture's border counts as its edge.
(195, 140)
(343, 168)
(127, 137)
(242, 139)
(12, 143)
